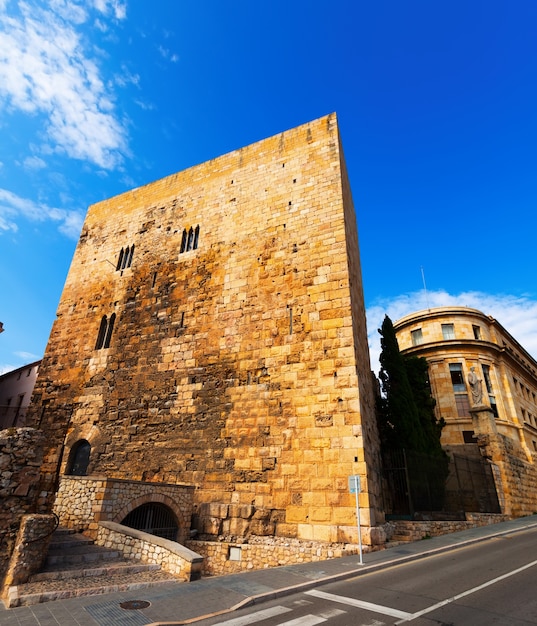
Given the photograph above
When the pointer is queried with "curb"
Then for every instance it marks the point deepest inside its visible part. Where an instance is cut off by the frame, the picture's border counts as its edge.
(364, 569)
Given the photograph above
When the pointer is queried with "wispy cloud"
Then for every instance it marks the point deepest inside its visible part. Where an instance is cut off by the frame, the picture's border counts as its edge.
(27, 356)
(517, 314)
(46, 70)
(167, 54)
(34, 163)
(13, 207)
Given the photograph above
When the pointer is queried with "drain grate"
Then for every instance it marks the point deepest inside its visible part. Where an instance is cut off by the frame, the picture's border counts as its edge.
(134, 605)
(107, 613)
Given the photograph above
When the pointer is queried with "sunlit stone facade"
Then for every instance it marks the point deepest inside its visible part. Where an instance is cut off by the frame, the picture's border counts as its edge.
(212, 333)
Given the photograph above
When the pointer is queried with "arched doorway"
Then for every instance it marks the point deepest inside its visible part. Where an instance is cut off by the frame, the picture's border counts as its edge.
(79, 459)
(154, 518)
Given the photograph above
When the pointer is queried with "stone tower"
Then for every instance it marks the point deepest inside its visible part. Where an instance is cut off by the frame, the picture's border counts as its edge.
(211, 332)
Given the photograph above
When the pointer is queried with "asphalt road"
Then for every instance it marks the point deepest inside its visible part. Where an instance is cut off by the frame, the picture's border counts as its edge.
(485, 584)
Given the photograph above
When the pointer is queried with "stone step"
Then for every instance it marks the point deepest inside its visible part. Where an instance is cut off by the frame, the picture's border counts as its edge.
(68, 541)
(108, 568)
(76, 567)
(88, 585)
(89, 553)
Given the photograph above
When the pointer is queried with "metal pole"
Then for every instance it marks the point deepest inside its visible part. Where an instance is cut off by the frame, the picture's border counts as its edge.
(358, 519)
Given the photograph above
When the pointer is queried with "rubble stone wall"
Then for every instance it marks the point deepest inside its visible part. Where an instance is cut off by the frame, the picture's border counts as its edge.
(20, 460)
(403, 530)
(84, 501)
(134, 544)
(225, 557)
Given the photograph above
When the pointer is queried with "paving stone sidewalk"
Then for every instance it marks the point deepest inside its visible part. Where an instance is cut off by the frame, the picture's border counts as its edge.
(179, 603)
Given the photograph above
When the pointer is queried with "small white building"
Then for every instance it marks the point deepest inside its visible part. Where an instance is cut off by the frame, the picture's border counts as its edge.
(16, 389)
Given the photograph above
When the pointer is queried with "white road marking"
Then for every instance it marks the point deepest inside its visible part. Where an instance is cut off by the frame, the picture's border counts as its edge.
(465, 593)
(246, 620)
(306, 620)
(368, 606)
(331, 613)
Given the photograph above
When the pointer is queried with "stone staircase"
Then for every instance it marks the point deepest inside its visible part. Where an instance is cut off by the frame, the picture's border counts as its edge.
(75, 566)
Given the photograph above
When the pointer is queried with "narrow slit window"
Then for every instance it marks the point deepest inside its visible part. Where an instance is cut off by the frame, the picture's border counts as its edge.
(120, 260)
(102, 333)
(131, 254)
(183, 242)
(190, 241)
(105, 332)
(109, 330)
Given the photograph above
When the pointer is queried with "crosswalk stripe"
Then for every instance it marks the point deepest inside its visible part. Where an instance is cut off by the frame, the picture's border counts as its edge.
(258, 616)
(305, 620)
(368, 606)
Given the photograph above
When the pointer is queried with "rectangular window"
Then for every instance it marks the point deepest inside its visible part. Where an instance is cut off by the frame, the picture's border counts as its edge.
(448, 331)
(457, 379)
(493, 406)
(463, 406)
(477, 332)
(486, 376)
(468, 436)
(417, 337)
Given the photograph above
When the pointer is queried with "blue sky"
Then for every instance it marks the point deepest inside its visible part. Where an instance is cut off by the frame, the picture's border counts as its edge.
(436, 101)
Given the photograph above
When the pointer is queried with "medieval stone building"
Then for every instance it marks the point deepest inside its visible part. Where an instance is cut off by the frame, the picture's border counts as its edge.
(210, 352)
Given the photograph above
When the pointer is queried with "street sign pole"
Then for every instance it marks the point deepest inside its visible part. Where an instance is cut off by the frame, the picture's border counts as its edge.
(354, 486)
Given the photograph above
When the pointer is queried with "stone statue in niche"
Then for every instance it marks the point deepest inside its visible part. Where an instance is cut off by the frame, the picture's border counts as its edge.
(476, 387)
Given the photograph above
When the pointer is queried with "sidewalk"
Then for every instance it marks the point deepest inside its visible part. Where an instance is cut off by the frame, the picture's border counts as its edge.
(182, 603)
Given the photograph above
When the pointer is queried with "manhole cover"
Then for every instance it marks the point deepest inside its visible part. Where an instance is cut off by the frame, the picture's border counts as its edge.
(134, 605)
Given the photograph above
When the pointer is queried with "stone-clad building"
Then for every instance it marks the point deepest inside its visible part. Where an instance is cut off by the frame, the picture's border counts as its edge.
(485, 386)
(211, 337)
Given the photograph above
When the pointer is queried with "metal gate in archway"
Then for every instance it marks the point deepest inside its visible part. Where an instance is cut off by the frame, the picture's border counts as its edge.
(154, 518)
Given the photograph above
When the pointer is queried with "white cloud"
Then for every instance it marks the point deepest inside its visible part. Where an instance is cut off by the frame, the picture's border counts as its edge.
(117, 8)
(167, 54)
(27, 356)
(34, 163)
(13, 206)
(44, 69)
(517, 314)
(126, 78)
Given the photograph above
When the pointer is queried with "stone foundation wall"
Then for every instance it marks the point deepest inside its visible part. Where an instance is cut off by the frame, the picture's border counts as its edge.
(20, 459)
(417, 530)
(135, 544)
(30, 549)
(519, 478)
(225, 557)
(83, 501)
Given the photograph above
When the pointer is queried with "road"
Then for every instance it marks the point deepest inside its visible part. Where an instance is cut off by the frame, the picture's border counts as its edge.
(485, 584)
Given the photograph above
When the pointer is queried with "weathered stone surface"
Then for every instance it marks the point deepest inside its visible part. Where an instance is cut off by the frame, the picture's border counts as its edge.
(20, 457)
(238, 366)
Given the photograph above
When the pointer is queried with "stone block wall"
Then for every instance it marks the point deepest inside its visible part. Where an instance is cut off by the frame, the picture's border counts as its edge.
(402, 530)
(20, 459)
(238, 360)
(84, 501)
(134, 544)
(29, 551)
(229, 557)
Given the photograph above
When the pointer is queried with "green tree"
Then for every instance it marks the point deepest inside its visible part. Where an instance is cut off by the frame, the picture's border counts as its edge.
(405, 414)
(418, 377)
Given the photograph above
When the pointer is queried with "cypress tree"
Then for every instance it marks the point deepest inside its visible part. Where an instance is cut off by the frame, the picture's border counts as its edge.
(398, 414)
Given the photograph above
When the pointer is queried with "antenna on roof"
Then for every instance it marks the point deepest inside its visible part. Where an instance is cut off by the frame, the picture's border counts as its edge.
(425, 288)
